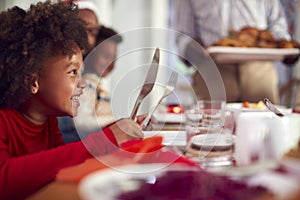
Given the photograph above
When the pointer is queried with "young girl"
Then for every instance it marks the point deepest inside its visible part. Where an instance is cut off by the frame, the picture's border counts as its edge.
(40, 65)
(95, 110)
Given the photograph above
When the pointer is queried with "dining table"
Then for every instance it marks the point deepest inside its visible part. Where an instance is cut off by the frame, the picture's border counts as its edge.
(146, 151)
(153, 150)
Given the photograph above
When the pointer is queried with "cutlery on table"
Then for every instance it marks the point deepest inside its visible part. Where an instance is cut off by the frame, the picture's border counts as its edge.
(168, 89)
(272, 107)
(149, 82)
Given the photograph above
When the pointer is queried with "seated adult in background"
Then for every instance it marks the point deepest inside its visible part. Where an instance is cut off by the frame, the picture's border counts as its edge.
(89, 13)
(40, 78)
(209, 21)
(95, 101)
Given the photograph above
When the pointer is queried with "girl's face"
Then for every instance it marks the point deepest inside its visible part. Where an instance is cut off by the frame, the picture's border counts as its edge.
(60, 85)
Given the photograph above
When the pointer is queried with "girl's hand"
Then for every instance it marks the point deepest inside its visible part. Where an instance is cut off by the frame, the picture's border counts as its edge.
(139, 119)
(125, 130)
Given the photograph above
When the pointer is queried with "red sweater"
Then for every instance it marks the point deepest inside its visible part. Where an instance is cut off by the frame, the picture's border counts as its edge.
(31, 155)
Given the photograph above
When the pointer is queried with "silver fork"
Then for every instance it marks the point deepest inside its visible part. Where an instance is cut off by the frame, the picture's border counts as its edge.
(168, 89)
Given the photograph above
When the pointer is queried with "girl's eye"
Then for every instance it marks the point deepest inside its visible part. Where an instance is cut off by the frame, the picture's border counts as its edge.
(74, 71)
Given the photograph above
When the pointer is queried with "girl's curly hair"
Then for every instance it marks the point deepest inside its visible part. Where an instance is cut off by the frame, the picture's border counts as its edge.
(27, 38)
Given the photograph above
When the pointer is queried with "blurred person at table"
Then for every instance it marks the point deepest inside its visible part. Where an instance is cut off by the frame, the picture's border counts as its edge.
(99, 63)
(40, 78)
(209, 21)
(89, 13)
(95, 111)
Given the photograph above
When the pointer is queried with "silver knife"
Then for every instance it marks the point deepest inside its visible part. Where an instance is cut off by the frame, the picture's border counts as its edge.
(149, 82)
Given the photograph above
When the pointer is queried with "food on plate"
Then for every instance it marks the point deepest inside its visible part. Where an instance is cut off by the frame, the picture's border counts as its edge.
(258, 105)
(266, 40)
(194, 185)
(288, 44)
(248, 36)
(229, 42)
(246, 104)
(253, 37)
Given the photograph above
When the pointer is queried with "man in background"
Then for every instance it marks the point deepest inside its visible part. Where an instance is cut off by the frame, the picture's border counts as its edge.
(209, 21)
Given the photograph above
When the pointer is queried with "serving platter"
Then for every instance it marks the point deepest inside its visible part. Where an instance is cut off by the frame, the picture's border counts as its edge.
(222, 54)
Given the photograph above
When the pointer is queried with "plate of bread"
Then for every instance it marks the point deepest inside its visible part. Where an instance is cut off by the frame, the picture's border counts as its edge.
(251, 44)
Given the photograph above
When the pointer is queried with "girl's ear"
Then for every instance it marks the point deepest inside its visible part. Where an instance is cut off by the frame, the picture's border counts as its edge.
(35, 86)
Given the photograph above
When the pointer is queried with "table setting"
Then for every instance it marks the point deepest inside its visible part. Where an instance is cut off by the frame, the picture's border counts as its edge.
(154, 166)
(212, 150)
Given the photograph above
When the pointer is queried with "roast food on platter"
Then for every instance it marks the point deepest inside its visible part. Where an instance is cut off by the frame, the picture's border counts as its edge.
(253, 37)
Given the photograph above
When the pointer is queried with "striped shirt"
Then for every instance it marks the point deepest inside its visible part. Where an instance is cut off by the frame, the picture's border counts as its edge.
(211, 20)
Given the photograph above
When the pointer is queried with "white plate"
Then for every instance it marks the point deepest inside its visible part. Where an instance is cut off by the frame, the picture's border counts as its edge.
(212, 140)
(170, 138)
(242, 172)
(108, 184)
(239, 107)
(170, 117)
(241, 54)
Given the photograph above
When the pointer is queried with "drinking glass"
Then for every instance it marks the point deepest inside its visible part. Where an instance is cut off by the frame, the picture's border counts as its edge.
(209, 130)
(213, 112)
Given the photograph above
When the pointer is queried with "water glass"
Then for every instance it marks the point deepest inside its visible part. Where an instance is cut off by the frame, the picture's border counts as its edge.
(209, 130)
(213, 112)
(193, 121)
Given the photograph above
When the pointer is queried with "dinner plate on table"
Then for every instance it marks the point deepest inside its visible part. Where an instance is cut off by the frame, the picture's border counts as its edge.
(108, 184)
(170, 138)
(171, 118)
(159, 181)
(240, 107)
